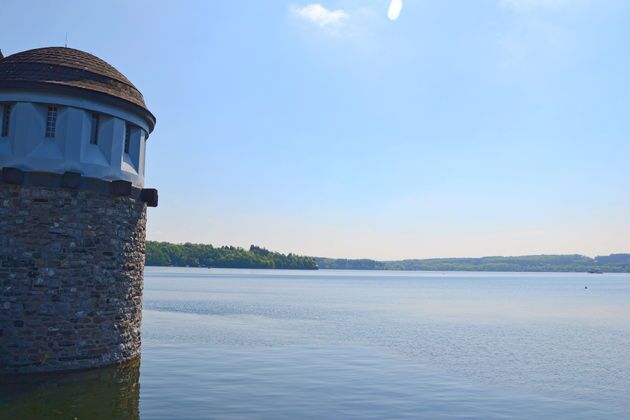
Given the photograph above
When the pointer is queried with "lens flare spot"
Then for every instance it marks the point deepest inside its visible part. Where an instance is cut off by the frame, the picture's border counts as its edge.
(394, 9)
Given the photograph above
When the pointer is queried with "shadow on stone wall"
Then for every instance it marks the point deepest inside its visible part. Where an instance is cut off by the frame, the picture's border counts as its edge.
(106, 393)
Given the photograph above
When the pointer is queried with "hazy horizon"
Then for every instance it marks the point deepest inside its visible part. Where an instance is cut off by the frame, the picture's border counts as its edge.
(349, 129)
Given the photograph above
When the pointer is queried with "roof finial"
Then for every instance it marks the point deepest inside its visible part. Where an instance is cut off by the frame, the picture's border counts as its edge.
(66, 44)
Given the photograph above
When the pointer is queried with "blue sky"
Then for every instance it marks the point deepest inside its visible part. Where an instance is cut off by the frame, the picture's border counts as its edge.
(463, 128)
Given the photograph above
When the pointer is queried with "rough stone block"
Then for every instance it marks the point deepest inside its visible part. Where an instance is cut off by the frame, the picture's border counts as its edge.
(149, 196)
(43, 179)
(121, 188)
(12, 176)
(71, 180)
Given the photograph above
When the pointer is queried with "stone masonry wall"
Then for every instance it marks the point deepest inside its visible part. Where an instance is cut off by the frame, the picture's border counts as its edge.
(71, 278)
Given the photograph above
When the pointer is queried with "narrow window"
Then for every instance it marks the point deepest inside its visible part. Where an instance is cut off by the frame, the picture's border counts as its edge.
(51, 121)
(6, 115)
(94, 132)
(127, 137)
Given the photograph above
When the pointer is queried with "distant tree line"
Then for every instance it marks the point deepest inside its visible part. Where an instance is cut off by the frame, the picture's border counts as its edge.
(615, 263)
(200, 255)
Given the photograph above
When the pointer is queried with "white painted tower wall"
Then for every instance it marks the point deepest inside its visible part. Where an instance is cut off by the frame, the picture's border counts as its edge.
(27, 148)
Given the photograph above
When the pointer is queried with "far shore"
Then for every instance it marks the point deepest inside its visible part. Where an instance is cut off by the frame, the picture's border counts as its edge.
(389, 270)
(256, 257)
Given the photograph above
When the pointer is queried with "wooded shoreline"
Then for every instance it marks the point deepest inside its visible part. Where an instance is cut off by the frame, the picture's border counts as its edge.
(203, 255)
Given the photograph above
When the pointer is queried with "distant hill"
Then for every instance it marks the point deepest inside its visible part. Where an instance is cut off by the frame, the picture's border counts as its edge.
(615, 263)
(200, 255)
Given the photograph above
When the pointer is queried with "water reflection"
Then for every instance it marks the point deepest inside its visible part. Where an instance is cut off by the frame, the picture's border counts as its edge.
(112, 392)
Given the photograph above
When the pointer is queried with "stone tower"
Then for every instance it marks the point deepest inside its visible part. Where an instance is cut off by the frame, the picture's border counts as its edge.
(73, 132)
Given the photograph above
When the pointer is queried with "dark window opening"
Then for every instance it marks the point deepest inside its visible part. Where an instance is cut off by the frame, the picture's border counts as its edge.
(127, 137)
(51, 121)
(94, 128)
(6, 118)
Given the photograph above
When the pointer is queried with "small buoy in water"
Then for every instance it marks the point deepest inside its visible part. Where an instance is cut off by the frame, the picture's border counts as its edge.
(586, 287)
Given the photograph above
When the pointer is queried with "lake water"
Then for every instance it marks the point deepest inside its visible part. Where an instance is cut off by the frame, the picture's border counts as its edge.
(359, 344)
